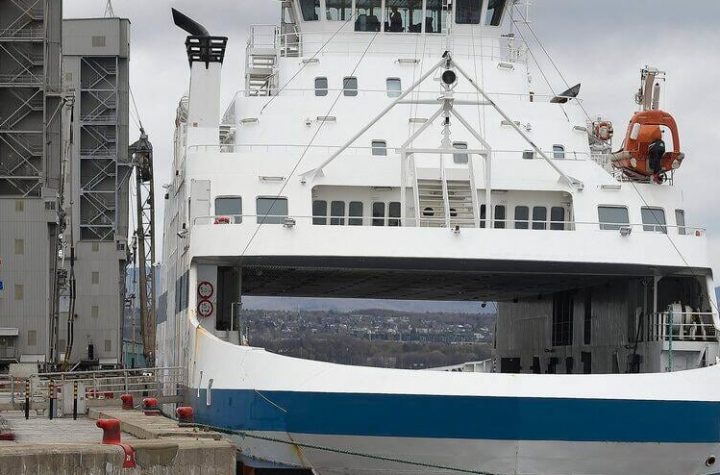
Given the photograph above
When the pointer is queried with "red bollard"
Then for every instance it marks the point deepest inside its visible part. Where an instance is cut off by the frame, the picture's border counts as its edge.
(150, 406)
(111, 436)
(185, 415)
(127, 402)
(111, 430)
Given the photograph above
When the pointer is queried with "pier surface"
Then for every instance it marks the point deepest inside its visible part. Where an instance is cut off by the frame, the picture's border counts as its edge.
(65, 446)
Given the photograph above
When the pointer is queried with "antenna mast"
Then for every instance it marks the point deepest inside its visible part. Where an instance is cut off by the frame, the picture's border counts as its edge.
(109, 12)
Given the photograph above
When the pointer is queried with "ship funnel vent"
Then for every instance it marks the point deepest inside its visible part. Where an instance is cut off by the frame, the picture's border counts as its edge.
(201, 47)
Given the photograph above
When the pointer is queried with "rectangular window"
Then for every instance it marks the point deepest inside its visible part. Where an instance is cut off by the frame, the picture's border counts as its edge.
(586, 359)
(229, 206)
(394, 213)
(310, 9)
(557, 218)
(355, 210)
(394, 87)
(95, 278)
(587, 321)
(403, 16)
(467, 12)
(350, 86)
(558, 152)
(522, 215)
(528, 155)
(562, 325)
(500, 217)
(338, 10)
(379, 148)
(337, 213)
(19, 247)
(321, 86)
(613, 217)
(32, 337)
(435, 16)
(460, 157)
(653, 220)
(539, 217)
(19, 206)
(368, 15)
(569, 365)
(19, 292)
(680, 221)
(495, 12)
(271, 210)
(378, 212)
(483, 215)
(319, 212)
(95, 247)
(108, 346)
(95, 311)
(536, 365)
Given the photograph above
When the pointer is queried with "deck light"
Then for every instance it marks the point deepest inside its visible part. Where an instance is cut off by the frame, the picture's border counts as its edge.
(289, 223)
(625, 231)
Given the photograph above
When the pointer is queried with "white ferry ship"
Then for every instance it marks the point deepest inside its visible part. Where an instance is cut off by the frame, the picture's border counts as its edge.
(396, 149)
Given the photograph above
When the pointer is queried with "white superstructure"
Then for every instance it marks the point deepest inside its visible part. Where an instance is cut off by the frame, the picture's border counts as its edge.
(396, 149)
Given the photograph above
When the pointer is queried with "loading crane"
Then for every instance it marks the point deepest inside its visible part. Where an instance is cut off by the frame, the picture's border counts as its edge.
(142, 160)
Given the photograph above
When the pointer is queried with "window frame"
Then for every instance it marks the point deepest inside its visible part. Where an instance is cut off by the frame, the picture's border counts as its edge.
(378, 219)
(611, 225)
(347, 90)
(393, 92)
(518, 222)
(301, 11)
(680, 216)
(378, 150)
(457, 155)
(355, 219)
(556, 225)
(272, 218)
(480, 7)
(337, 217)
(320, 219)
(539, 224)
(654, 227)
(322, 91)
(528, 155)
(558, 151)
(236, 219)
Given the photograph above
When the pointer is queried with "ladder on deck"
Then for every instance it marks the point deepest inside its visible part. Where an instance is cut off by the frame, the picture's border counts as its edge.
(262, 59)
(446, 202)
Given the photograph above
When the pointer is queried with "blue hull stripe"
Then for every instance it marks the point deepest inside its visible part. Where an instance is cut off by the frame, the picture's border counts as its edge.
(461, 417)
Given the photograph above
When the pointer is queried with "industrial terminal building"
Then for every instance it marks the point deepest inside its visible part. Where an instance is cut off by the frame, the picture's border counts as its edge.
(63, 121)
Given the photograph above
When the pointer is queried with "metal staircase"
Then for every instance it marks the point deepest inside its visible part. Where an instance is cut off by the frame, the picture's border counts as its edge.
(262, 58)
(461, 203)
(444, 202)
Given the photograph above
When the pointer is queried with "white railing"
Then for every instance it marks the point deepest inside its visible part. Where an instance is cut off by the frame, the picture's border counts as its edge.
(682, 326)
(431, 221)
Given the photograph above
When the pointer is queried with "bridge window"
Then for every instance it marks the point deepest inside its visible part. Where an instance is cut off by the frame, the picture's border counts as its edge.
(558, 152)
(337, 213)
(500, 217)
(271, 209)
(562, 325)
(460, 157)
(338, 10)
(557, 218)
(321, 86)
(394, 87)
(539, 217)
(378, 212)
(435, 16)
(310, 9)
(680, 221)
(653, 219)
(495, 12)
(379, 148)
(350, 86)
(319, 211)
(613, 217)
(467, 12)
(403, 16)
(356, 212)
(394, 213)
(229, 206)
(368, 15)
(522, 216)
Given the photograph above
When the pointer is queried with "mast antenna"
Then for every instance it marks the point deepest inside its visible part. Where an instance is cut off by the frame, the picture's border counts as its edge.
(109, 12)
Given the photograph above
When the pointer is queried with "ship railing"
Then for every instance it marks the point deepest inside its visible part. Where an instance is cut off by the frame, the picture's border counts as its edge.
(263, 36)
(682, 326)
(351, 42)
(368, 151)
(291, 221)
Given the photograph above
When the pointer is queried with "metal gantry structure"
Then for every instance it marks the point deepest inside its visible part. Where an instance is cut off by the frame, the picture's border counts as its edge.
(142, 159)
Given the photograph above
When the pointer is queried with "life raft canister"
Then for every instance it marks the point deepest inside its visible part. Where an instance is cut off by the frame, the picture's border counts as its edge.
(642, 132)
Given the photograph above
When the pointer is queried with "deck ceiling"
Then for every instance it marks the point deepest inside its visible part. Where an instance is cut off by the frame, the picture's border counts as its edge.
(421, 279)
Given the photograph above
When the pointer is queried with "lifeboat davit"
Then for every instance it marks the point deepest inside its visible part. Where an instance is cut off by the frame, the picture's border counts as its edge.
(643, 156)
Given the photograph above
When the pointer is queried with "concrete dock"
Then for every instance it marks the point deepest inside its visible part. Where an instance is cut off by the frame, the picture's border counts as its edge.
(158, 445)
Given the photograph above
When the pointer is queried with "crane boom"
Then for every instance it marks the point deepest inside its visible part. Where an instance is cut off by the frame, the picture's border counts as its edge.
(142, 155)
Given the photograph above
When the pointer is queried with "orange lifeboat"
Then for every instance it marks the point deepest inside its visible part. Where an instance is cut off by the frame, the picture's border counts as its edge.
(643, 155)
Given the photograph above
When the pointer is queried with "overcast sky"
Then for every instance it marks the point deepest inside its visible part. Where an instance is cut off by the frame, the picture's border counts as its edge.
(603, 45)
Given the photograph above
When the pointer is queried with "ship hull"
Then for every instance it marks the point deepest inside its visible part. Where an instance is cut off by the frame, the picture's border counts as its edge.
(358, 420)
